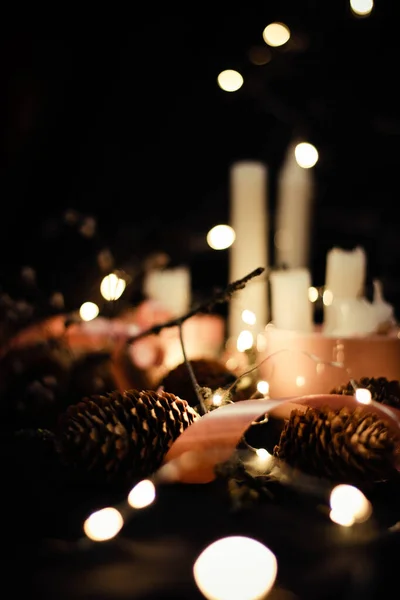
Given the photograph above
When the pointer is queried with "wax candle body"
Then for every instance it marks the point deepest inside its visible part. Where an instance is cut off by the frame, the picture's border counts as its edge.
(249, 219)
(295, 193)
(170, 287)
(291, 307)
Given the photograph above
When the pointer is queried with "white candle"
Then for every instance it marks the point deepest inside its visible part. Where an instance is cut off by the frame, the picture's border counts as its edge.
(291, 307)
(344, 280)
(295, 194)
(345, 272)
(171, 288)
(249, 219)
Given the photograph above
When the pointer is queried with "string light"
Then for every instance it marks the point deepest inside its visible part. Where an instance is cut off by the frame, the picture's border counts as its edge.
(88, 311)
(349, 505)
(235, 568)
(112, 287)
(230, 80)
(221, 237)
(276, 34)
(103, 524)
(142, 494)
(363, 396)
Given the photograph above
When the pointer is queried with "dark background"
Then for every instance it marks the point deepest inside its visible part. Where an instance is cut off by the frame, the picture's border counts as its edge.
(117, 115)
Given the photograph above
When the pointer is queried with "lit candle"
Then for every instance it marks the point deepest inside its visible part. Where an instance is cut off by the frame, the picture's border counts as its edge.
(295, 191)
(249, 219)
(291, 307)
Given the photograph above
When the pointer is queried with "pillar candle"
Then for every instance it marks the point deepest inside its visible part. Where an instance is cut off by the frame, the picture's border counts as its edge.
(291, 307)
(171, 288)
(295, 190)
(249, 219)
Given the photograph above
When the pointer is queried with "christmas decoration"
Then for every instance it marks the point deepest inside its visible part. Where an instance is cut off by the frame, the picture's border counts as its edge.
(341, 445)
(121, 437)
(382, 390)
(209, 373)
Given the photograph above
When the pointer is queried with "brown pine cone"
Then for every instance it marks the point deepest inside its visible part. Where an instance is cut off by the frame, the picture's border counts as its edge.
(382, 390)
(209, 373)
(341, 445)
(121, 437)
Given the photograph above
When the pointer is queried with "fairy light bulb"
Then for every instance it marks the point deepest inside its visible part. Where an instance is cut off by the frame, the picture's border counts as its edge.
(263, 387)
(103, 524)
(349, 505)
(230, 80)
(245, 341)
(276, 34)
(112, 287)
(235, 568)
(363, 396)
(88, 311)
(217, 399)
(249, 317)
(142, 494)
(306, 155)
(361, 7)
(313, 294)
(221, 237)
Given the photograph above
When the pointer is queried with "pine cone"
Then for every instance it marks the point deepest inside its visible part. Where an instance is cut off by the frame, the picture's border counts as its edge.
(121, 437)
(382, 390)
(209, 373)
(342, 445)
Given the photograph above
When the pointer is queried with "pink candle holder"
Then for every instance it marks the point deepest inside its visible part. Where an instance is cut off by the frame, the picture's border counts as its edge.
(297, 363)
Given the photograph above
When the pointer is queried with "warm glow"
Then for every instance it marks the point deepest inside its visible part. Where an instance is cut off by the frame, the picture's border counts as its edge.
(245, 340)
(313, 294)
(249, 317)
(276, 34)
(103, 524)
(230, 80)
(217, 400)
(300, 380)
(220, 237)
(112, 287)
(306, 155)
(142, 494)
(235, 568)
(263, 387)
(88, 311)
(363, 396)
(327, 297)
(349, 505)
(361, 7)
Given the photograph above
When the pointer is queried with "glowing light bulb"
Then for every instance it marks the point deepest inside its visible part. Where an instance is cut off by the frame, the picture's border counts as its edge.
(244, 341)
(306, 155)
(142, 494)
(276, 34)
(221, 237)
(363, 396)
(112, 287)
(313, 294)
(217, 399)
(249, 317)
(327, 297)
(300, 380)
(235, 568)
(349, 505)
(230, 80)
(88, 311)
(263, 387)
(103, 524)
(361, 7)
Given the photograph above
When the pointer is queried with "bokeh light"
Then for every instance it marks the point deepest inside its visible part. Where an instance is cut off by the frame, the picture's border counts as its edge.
(112, 287)
(103, 524)
(306, 155)
(221, 237)
(142, 494)
(230, 80)
(276, 34)
(88, 311)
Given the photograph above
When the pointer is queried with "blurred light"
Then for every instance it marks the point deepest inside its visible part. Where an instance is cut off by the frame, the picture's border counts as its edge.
(300, 380)
(259, 55)
(88, 311)
(261, 342)
(276, 34)
(313, 294)
(235, 568)
(363, 396)
(220, 237)
(264, 460)
(263, 387)
(263, 453)
(306, 155)
(230, 80)
(341, 518)
(217, 399)
(112, 287)
(245, 340)
(249, 317)
(349, 505)
(232, 364)
(103, 524)
(142, 494)
(361, 7)
(327, 297)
